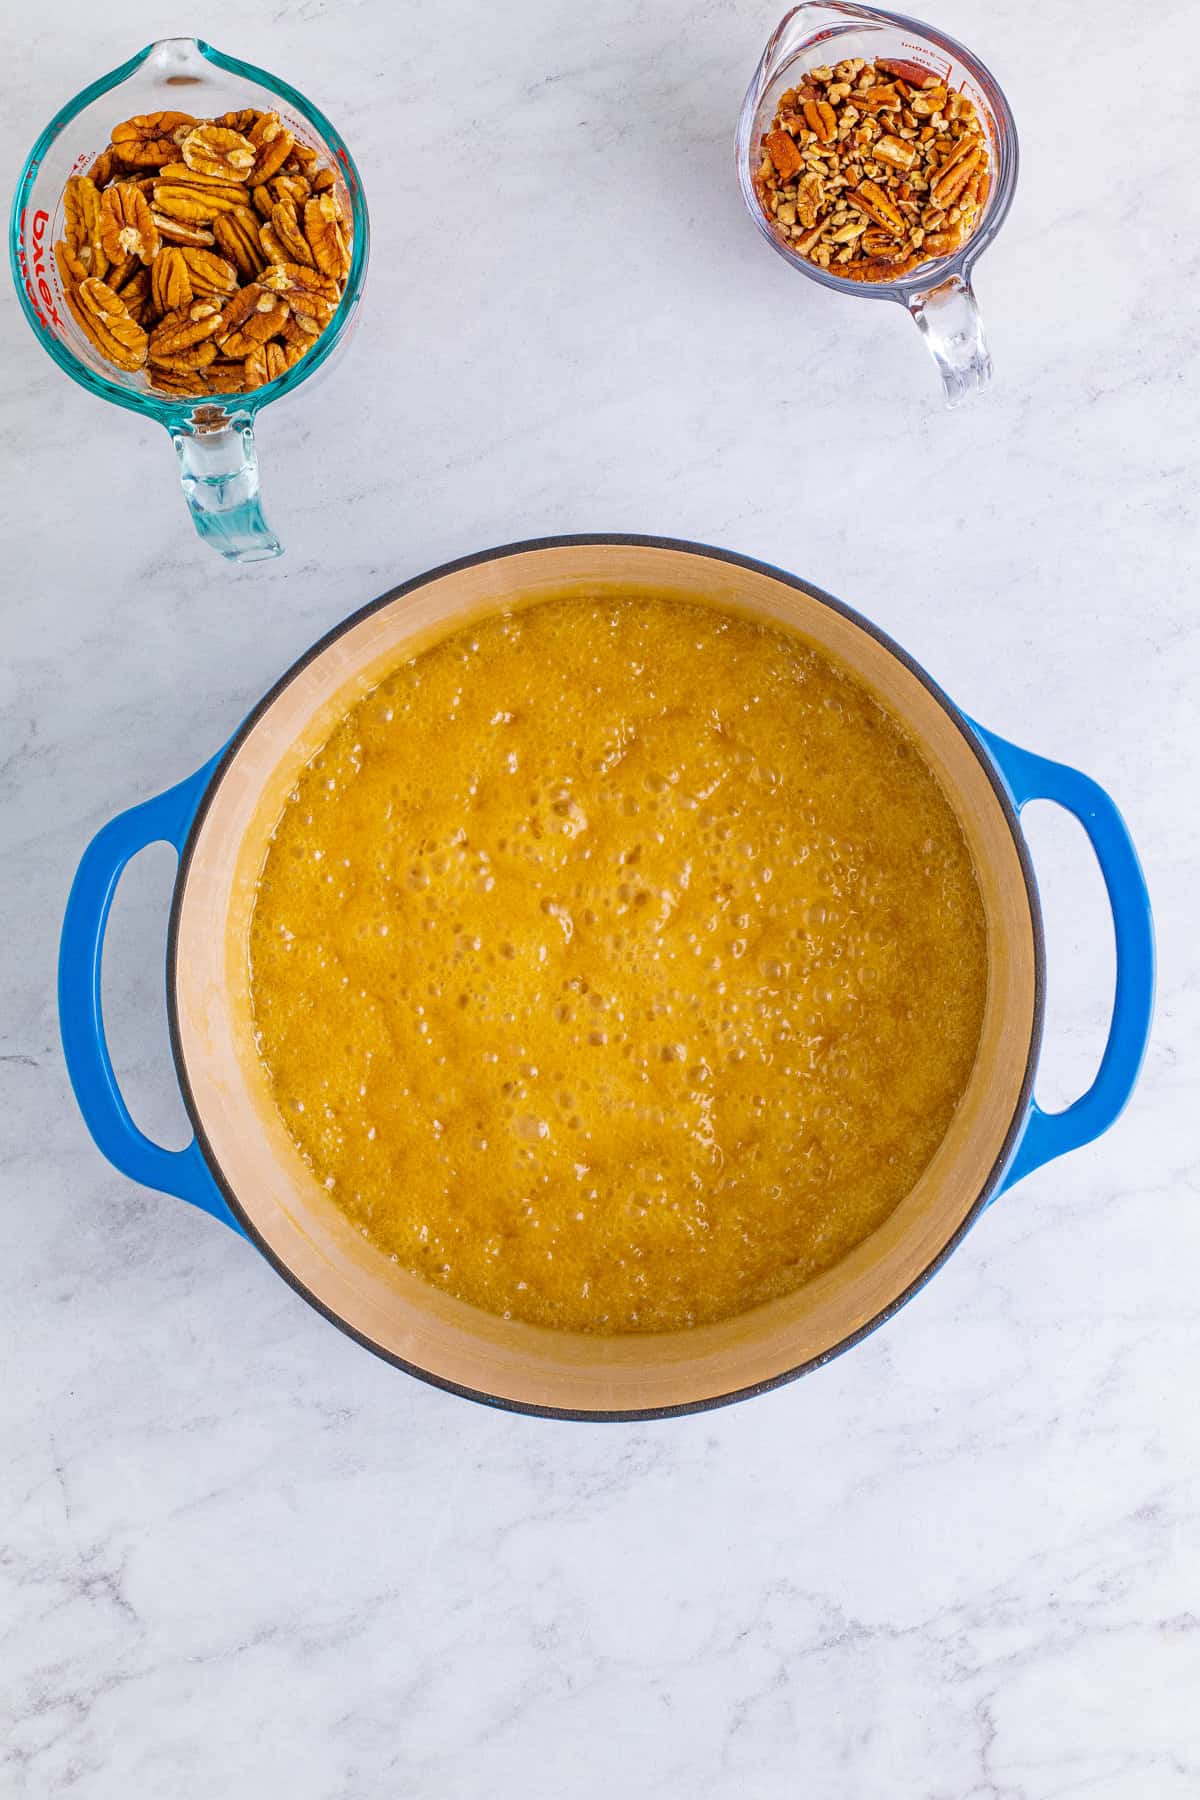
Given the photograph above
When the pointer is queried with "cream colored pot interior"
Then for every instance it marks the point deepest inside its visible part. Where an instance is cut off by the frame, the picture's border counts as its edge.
(400, 1314)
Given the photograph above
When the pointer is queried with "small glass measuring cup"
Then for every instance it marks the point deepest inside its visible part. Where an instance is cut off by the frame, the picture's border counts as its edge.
(938, 294)
(213, 437)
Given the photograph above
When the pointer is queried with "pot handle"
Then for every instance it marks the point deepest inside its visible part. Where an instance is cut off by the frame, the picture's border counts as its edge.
(1029, 777)
(183, 1173)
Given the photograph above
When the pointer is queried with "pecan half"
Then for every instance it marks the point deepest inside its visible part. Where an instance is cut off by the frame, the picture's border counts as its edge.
(218, 152)
(265, 363)
(272, 142)
(178, 231)
(872, 200)
(880, 245)
(151, 139)
(81, 214)
(211, 275)
(196, 204)
(252, 317)
(225, 377)
(283, 239)
(126, 225)
(955, 173)
(170, 280)
(195, 356)
(102, 169)
(810, 198)
(243, 121)
(821, 119)
(187, 325)
(185, 384)
(105, 318)
(781, 148)
(135, 295)
(323, 229)
(237, 237)
(303, 160)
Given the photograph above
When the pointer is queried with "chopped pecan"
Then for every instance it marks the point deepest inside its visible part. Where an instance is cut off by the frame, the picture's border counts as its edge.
(883, 98)
(929, 101)
(863, 164)
(941, 243)
(894, 151)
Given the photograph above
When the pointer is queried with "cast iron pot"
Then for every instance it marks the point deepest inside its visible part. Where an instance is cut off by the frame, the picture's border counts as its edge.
(243, 1168)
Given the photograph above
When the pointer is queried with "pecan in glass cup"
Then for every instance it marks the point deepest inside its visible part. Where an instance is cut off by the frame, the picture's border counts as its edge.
(213, 434)
(937, 292)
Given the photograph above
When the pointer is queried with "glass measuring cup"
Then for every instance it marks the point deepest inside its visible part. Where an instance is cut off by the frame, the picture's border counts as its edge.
(938, 294)
(213, 436)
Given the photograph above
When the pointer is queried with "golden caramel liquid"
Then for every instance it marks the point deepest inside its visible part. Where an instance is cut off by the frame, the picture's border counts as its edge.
(618, 964)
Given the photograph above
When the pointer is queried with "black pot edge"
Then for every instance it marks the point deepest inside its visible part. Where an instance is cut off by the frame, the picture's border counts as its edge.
(637, 1414)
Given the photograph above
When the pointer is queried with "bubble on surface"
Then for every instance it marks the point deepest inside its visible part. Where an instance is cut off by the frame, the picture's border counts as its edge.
(632, 888)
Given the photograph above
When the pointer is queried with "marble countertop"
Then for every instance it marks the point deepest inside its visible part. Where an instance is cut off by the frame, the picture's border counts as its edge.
(240, 1556)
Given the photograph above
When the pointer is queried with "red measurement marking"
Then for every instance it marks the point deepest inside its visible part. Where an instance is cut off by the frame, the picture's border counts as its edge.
(345, 162)
(31, 253)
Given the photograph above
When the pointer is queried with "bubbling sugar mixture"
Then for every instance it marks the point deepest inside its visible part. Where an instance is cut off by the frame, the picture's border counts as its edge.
(618, 964)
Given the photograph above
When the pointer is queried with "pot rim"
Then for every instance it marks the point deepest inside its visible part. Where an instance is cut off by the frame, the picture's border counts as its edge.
(960, 721)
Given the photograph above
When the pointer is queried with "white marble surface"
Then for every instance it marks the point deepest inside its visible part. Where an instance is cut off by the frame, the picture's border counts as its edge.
(238, 1556)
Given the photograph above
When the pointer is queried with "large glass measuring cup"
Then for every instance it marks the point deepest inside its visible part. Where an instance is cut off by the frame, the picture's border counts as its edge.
(213, 438)
(938, 294)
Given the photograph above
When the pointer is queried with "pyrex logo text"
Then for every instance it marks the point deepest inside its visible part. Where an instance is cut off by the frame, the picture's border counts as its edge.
(37, 286)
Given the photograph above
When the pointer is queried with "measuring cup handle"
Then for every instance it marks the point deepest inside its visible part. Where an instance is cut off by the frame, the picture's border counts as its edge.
(948, 319)
(219, 472)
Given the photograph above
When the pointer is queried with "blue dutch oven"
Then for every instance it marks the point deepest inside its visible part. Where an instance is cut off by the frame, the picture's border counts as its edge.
(242, 1168)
